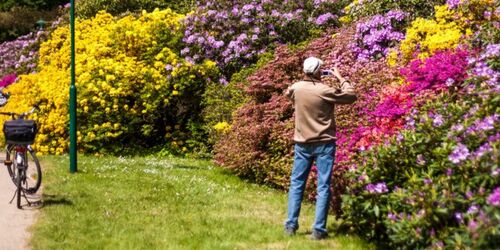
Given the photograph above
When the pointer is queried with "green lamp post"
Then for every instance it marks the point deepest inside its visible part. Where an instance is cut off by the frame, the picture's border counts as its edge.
(41, 23)
(72, 96)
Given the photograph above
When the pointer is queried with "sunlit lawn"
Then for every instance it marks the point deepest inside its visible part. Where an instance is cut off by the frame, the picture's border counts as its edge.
(164, 203)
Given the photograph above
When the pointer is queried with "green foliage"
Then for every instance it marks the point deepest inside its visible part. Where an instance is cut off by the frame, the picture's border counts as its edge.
(488, 34)
(416, 8)
(7, 5)
(89, 8)
(220, 101)
(20, 21)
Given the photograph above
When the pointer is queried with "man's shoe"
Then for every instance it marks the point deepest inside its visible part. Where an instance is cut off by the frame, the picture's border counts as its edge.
(316, 235)
(289, 231)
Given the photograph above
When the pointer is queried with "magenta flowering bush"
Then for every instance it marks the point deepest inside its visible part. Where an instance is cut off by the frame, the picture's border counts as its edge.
(494, 198)
(8, 80)
(385, 112)
(442, 70)
(376, 36)
(235, 33)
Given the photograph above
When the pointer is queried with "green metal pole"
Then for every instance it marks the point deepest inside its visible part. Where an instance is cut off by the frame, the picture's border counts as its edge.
(72, 96)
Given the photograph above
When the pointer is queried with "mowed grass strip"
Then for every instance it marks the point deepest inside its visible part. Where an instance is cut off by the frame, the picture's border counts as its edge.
(164, 203)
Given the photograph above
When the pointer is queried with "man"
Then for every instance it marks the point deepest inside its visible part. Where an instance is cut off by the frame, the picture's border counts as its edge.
(314, 139)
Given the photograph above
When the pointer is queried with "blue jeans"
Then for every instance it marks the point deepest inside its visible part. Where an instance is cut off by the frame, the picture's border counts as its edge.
(324, 155)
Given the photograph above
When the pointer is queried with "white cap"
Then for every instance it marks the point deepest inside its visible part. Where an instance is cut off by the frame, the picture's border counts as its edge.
(312, 65)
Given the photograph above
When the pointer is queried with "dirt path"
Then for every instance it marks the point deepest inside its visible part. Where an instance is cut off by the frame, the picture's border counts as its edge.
(14, 223)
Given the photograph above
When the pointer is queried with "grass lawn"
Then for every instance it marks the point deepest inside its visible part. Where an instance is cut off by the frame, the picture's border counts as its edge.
(165, 203)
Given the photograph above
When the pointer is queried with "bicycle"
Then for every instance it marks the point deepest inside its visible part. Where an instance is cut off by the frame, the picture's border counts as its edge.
(20, 158)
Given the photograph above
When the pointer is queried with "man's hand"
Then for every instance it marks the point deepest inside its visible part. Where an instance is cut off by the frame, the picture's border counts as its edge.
(337, 74)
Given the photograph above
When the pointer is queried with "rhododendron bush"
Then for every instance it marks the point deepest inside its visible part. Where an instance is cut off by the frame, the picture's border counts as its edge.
(434, 184)
(133, 88)
(20, 56)
(235, 33)
(438, 178)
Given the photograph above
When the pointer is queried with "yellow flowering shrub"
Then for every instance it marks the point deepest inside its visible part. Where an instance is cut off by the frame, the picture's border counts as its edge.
(425, 36)
(222, 127)
(444, 31)
(131, 83)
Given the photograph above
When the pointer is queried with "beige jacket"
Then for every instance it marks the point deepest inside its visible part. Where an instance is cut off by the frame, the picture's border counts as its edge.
(314, 104)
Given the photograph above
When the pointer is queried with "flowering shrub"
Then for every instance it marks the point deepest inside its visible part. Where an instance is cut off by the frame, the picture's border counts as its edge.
(445, 31)
(435, 184)
(426, 36)
(235, 33)
(261, 126)
(133, 88)
(20, 55)
(384, 112)
(444, 69)
(8, 80)
(375, 36)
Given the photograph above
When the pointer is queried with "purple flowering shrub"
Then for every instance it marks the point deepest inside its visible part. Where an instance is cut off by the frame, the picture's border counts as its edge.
(436, 184)
(20, 56)
(376, 36)
(235, 33)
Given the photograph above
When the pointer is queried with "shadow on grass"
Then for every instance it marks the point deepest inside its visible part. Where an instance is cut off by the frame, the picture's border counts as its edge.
(188, 167)
(55, 200)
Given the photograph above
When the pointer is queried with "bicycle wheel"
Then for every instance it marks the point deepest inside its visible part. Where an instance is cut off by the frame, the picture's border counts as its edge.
(30, 164)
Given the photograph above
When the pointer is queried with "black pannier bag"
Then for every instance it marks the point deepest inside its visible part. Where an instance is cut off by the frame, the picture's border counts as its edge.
(19, 131)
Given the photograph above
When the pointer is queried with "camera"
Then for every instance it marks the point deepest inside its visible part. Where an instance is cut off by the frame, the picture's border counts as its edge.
(327, 73)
